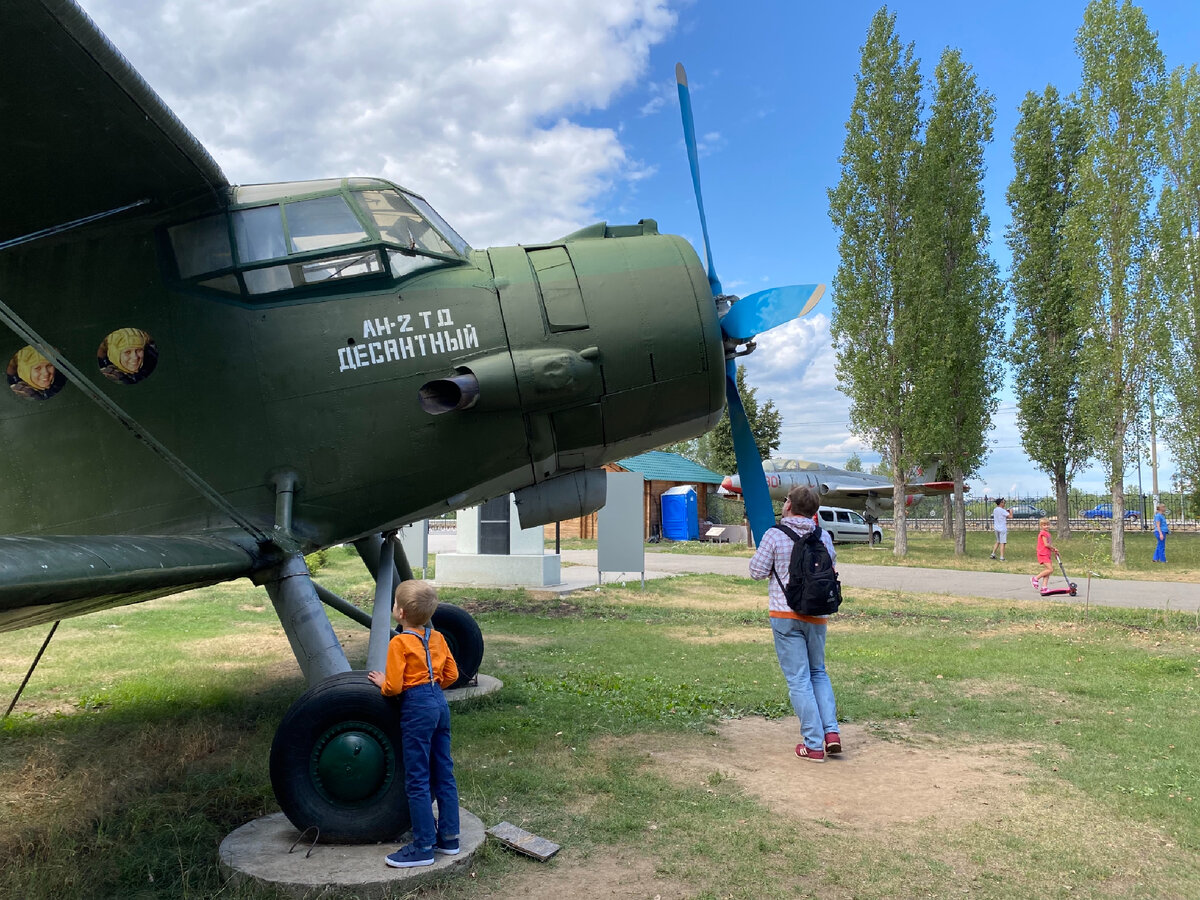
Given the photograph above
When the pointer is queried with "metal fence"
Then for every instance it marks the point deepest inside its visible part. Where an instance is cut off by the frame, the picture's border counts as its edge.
(1087, 512)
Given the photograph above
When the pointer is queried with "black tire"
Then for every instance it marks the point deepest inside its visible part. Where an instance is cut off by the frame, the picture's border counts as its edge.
(463, 637)
(337, 763)
(876, 538)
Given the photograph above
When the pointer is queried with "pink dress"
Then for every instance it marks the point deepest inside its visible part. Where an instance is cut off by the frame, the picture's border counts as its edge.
(1043, 546)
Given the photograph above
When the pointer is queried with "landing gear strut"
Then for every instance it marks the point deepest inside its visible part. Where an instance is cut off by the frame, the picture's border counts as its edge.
(336, 761)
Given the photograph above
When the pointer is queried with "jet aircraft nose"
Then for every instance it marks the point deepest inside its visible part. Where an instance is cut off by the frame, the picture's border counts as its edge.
(731, 485)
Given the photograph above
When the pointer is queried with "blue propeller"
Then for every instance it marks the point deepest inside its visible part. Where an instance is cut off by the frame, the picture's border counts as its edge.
(755, 313)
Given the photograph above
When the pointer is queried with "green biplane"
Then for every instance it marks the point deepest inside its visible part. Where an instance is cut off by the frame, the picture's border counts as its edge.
(207, 381)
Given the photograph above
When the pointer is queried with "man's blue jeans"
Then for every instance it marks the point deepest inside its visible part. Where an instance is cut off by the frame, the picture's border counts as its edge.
(428, 768)
(800, 647)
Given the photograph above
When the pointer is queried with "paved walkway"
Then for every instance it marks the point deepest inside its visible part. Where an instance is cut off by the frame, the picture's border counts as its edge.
(581, 574)
(996, 585)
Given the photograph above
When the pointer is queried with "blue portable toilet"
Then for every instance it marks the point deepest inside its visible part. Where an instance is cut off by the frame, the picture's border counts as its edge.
(680, 515)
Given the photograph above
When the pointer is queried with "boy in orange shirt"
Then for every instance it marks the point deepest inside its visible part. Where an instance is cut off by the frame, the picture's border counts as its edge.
(419, 665)
(1045, 551)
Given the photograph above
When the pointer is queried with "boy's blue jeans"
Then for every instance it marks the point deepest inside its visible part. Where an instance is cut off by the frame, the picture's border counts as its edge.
(800, 647)
(428, 768)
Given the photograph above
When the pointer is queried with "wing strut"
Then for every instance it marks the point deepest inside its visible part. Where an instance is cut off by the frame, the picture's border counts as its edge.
(67, 226)
(10, 318)
(37, 659)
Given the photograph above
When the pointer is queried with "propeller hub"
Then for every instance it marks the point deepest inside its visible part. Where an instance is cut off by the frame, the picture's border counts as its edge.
(735, 348)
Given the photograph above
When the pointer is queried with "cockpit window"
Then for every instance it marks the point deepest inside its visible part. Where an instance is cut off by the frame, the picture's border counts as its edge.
(399, 223)
(202, 246)
(298, 274)
(352, 228)
(460, 246)
(259, 234)
(322, 222)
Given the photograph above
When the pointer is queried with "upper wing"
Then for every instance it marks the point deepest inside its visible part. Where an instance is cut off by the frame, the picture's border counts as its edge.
(83, 133)
(43, 579)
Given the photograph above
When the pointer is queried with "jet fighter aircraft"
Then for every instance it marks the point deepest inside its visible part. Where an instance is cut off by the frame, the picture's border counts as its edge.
(206, 381)
(839, 487)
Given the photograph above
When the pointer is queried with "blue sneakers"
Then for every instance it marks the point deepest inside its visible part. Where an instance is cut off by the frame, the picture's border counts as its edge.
(446, 846)
(411, 855)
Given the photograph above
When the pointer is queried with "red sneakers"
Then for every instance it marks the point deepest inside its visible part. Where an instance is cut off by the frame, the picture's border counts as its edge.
(808, 753)
(833, 742)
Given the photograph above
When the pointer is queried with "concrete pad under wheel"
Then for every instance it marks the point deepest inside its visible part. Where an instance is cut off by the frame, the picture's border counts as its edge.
(484, 684)
(258, 851)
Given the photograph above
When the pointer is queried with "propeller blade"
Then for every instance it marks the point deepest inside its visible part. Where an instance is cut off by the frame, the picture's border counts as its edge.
(689, 137)
(750, 471)
(763, 310)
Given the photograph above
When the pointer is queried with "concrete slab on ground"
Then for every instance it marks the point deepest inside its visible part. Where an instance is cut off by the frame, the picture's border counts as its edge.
(261, 851)
(484, 685)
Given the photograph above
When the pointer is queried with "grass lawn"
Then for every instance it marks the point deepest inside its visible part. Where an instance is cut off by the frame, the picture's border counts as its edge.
(1001, 750)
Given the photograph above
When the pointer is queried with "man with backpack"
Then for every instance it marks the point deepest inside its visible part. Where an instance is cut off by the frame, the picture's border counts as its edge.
(799, 633)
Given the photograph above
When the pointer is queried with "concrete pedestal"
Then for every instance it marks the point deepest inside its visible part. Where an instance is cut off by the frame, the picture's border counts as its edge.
(259, 851)
(519, 569)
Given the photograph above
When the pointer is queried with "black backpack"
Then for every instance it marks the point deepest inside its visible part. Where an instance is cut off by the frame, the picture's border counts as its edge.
(813, 588)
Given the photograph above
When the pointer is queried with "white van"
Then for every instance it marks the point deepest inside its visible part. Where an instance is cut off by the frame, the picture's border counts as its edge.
(848, 526)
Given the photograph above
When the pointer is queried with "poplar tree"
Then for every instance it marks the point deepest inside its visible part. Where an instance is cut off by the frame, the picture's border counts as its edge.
(1179, 264)
(1048, 324)
(871, 208)
(1109, 230)
(956, 290)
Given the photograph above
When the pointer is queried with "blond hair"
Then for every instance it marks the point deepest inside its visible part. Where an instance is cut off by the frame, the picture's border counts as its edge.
(419, 601)
(1043, 522)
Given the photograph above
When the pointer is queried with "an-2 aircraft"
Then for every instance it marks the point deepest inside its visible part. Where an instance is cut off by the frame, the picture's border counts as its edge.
(839, 487)
(207, 381)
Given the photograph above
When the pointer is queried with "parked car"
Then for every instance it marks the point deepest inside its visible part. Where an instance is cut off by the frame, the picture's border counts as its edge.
(1027, 511)
(846, 526)
(1104, 511)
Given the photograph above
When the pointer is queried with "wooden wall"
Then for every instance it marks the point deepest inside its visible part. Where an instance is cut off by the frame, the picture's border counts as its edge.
(652, 491)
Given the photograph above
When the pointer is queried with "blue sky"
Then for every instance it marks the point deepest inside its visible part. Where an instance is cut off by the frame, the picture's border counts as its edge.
(776, 86)
(525, 120)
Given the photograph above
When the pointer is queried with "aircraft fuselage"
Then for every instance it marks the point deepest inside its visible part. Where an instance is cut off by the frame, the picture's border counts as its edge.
(584, 350)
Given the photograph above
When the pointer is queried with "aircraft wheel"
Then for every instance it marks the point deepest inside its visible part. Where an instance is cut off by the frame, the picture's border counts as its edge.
(336, 762)
(463, 637)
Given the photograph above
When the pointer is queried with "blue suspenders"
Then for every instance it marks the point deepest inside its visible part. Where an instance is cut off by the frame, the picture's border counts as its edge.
(425, 642)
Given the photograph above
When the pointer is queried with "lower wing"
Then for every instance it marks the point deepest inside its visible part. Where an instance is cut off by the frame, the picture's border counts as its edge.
(43, 579)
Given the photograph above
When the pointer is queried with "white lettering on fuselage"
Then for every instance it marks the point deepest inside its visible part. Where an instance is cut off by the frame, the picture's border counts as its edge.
(434, 340)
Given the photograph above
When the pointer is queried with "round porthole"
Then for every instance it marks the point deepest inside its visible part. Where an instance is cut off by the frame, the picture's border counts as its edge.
(127, 356)
(32, 376)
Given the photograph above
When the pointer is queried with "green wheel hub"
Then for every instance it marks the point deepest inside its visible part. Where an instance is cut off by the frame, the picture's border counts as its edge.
(352, 762)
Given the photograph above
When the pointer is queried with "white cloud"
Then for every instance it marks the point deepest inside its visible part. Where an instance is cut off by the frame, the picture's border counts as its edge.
(464, 101)
(794, 367)
(662, 95)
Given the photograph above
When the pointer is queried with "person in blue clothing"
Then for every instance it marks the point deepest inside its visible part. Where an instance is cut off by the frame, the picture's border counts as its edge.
(800, 639)
(419, 666)
(1160, 531)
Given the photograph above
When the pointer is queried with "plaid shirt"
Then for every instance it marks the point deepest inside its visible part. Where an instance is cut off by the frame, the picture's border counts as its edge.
(776, 551)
